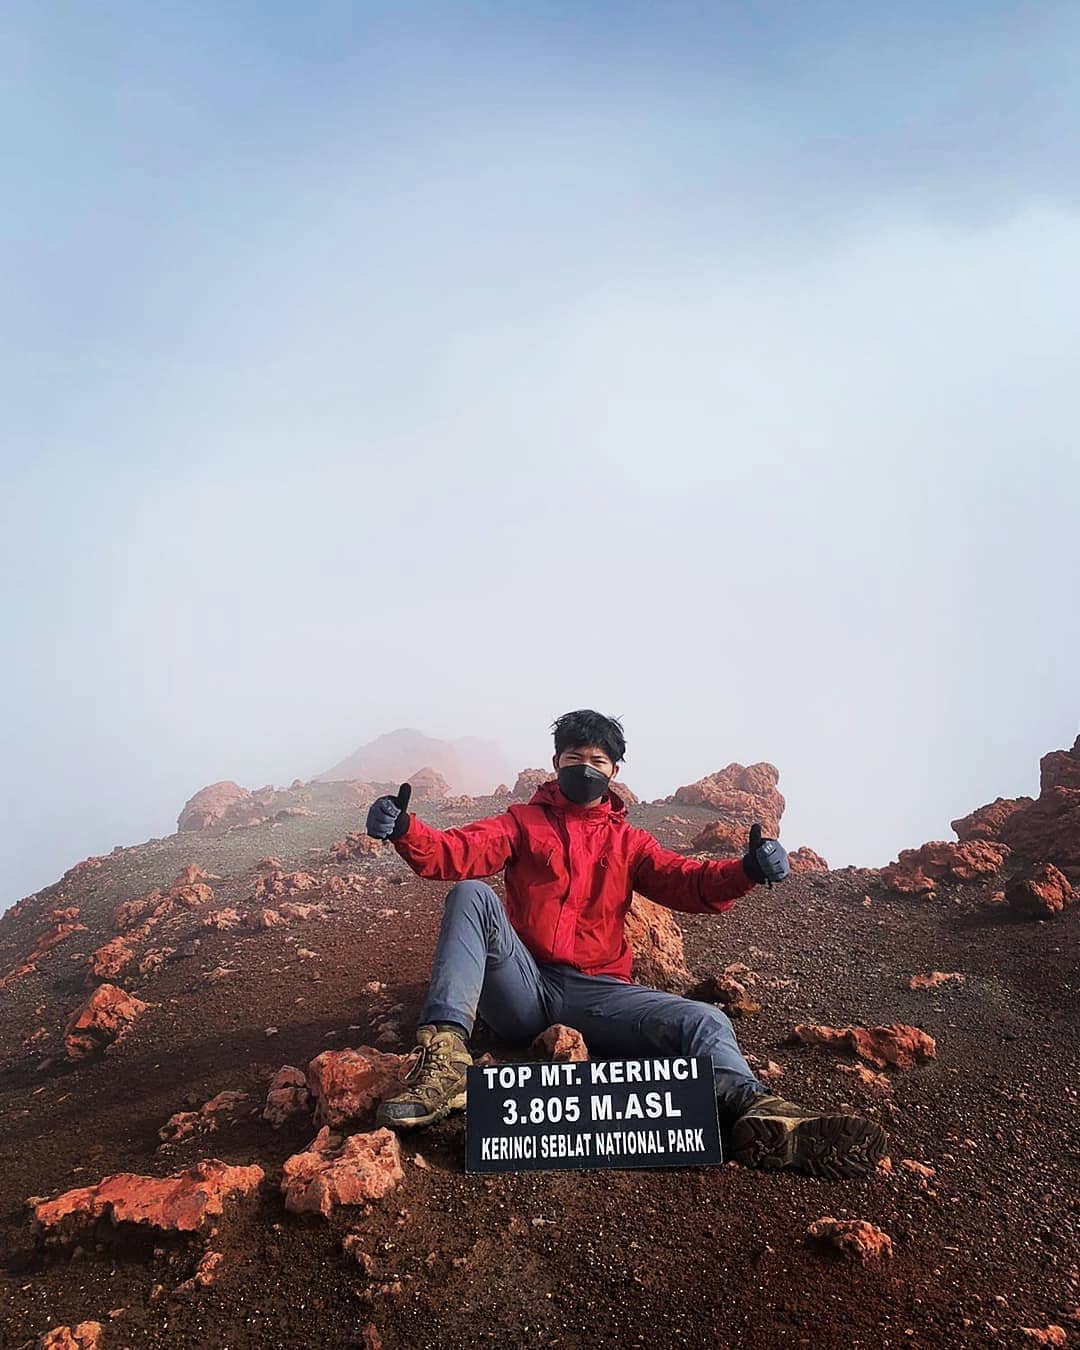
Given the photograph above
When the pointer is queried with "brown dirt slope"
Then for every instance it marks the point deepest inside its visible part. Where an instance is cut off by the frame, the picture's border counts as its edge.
(983, 1247)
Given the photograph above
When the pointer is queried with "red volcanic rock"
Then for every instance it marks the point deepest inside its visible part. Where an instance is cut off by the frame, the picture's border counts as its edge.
(628, 795)
(153, 961)
(896, 1044)
(190, 897)
(355, 845)
(290, 909)
(560, 1042)
(288, 1097)
(1049, 1335)
(1044, 830)
(84, 1336)
(919, 870)
(105, 1017)
(806, 860)
(262, 918)
(223, 803)
(656, 941)
(933, 979)
(729, 992)
(349, 1084)
(337, 888)
(740, 795)
(353, 1171)
(1040, 895)
(428, 783)
(283, 883)
(130, 912)
(270, 864)
(723, 838)
(222, 1108)
(48, 940)
(987, 821)
(288, 812)
(185, 1202)
(221, 919)
(111, 960)
(528, 780)
(855, 1238)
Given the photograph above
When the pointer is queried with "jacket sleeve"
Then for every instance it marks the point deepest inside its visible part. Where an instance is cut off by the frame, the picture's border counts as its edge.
(478, 849)
(692, 885)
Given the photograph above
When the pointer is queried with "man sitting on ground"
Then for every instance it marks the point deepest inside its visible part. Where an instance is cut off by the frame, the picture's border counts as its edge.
(555, 951)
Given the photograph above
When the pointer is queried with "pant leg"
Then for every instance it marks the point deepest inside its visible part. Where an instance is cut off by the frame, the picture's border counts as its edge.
(482, 966)
(631, 1020)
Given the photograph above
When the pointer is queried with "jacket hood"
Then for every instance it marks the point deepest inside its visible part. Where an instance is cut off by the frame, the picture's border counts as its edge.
(550, 794)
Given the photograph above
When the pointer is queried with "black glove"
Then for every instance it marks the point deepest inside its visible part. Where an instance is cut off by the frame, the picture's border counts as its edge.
(766, 859)
(387, 817)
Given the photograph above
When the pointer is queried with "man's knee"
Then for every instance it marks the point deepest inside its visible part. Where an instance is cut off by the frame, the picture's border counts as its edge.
(475, 893)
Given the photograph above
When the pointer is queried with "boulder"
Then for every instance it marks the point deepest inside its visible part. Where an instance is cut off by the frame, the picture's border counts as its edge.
(987, 821)
(855, 1238)
(349, 1084)
(111, 960)
(223, 803)
(291, 909)
(723, 838)
(259, 919)
(897, 1044)
(355, 845)
(83, 1336)
(656, 941)
(1054, 1334)
(1044, 830)
(221, 919)
(806, 860)
(104, 1018)
(528, 780)
(561, 1043)
(1040, 894)
(288, 1097)
(336, 1171)
(185, 1202)
(271, 884)
(728, 992)
(740, 795)
(130, 912)
(918, 871)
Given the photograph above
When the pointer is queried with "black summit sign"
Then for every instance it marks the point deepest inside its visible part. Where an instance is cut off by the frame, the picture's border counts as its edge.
(592, 1113)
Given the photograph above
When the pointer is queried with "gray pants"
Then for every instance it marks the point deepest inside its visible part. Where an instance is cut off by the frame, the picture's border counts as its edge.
(482, 967)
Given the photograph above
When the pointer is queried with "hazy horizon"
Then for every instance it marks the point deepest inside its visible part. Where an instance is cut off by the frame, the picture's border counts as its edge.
(453, 367)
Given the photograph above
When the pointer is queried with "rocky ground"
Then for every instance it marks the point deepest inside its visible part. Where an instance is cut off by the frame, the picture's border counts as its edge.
(983, 1229)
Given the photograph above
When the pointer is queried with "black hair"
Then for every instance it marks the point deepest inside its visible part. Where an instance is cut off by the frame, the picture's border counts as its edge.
(585, 727)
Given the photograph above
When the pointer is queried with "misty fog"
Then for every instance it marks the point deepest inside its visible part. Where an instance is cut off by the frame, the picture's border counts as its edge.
(361, 373)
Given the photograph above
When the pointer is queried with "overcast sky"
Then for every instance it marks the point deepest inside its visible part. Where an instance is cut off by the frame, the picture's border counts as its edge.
(454, 365)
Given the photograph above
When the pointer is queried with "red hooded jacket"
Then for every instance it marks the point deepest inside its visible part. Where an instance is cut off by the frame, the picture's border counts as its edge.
(570, 872)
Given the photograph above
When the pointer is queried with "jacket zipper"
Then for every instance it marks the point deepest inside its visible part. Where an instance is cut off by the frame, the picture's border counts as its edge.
(561, 922)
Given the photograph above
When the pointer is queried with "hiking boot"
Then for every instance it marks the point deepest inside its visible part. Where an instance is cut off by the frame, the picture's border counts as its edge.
(436, 1082)
(774, 1133)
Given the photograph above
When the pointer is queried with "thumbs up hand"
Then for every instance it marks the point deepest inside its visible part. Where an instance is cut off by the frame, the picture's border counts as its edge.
(388, 817)
(766, 859)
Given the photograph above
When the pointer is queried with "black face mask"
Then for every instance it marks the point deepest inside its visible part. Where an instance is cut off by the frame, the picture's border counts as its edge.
(582, 783)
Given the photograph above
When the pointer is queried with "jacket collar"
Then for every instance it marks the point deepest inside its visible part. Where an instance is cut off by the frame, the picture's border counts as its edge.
(612, 808)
